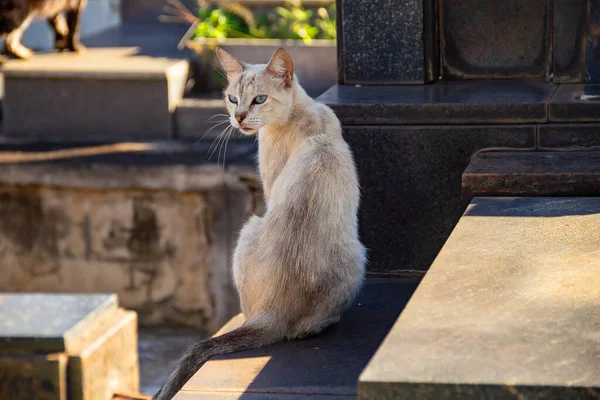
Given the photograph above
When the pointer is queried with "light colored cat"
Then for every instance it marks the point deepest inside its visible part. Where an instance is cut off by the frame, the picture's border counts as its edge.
(301, 265)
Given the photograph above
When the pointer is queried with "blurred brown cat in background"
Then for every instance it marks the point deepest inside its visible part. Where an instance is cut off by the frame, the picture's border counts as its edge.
(64, 17)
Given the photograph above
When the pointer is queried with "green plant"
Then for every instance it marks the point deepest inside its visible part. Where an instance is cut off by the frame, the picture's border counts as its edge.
(232, 20)
(220, 23)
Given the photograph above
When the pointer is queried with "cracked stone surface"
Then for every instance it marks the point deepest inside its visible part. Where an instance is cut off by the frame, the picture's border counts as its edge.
(160, 237)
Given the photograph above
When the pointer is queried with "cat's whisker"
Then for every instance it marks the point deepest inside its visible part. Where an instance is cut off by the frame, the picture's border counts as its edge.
(216, 143)
(221, 149)
(218, 115)
(209, 130)
(226, 143)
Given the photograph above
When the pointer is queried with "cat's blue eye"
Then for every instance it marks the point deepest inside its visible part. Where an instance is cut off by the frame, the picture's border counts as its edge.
(260, 99)
(233, 99)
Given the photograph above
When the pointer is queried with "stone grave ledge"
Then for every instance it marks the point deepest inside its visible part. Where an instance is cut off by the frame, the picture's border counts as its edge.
(157, 165)
(509, 309)
(104, 93)
(323, 367)
(59, 347)
(465, 102)
(154, 222)
(526, 173)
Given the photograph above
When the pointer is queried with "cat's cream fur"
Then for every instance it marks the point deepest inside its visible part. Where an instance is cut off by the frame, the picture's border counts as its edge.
(299, 266)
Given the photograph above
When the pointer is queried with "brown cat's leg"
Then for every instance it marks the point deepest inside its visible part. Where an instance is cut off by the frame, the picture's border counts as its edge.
(61, 31)
(74, 24)
(13, 44)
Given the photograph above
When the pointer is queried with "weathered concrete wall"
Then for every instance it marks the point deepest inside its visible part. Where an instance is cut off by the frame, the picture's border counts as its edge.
(163, 244)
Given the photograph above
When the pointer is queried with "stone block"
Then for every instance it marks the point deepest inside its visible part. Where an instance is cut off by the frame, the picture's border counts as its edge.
(97, 341)
(569, 136)
(395, 46)
(321, 367)
(572, 173)
(102, 94)
(105, 361)
(42, 323)
(39, 377)
(496, 38)
(474, 102)
(510, 309)
(576, 103)
(410, 178)
(576, 41)
(156, 228)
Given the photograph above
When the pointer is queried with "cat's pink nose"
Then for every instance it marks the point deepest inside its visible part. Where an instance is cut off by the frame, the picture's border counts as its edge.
(240, 118)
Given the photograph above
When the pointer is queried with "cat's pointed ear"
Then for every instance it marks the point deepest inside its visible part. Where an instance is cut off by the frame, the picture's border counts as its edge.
(231, 65)
(281, 66)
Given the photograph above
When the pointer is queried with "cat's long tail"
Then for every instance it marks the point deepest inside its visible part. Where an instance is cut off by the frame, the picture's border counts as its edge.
(251, 335)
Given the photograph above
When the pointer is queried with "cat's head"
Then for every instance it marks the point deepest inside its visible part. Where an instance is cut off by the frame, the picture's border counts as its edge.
(258, 94)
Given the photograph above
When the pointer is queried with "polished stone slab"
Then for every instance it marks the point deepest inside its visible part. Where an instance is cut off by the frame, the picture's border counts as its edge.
(369, 41)
(410, 180)
(495, 39)
(48, 322)
(325, 366)
(569, 136)
(510, 309)
(472, 102)
(576, 103)
(572, 173)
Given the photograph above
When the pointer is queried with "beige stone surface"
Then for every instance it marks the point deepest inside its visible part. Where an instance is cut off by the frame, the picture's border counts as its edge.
(509, 309)
(39, 377)
(164, 249)
(99, 63)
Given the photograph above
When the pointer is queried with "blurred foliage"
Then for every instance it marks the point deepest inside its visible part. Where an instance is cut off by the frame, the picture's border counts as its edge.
(293, 21)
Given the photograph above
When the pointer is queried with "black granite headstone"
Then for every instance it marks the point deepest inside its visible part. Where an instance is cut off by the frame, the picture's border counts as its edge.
(387, 41)
(576, 41)
(496, 38)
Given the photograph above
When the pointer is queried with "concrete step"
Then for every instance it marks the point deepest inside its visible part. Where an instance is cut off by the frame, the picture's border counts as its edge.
(322, 367)
(509, 309)
(105, 93)
(56, 346)
(519, 173)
